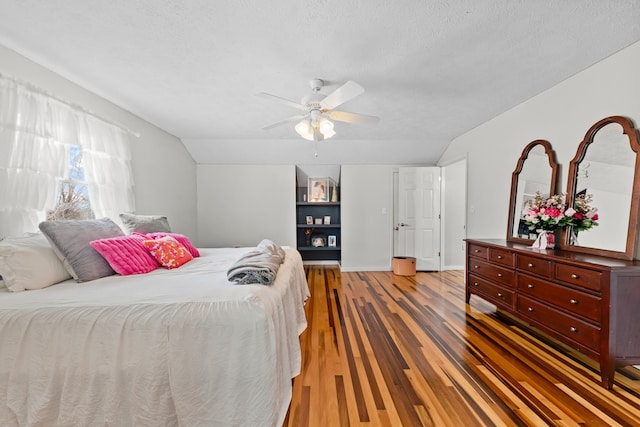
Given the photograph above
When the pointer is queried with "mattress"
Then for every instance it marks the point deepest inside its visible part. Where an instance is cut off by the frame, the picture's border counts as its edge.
(180, 347)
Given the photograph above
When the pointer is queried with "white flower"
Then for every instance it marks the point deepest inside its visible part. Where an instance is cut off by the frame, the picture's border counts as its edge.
(570, 212)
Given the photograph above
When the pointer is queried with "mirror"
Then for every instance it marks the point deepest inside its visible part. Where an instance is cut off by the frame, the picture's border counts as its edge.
(536, 170)
(604, 168)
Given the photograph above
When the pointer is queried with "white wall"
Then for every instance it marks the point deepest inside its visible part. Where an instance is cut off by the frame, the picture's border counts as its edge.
(164, 172)
(239, 205)
(562, 115)
(454, 218)
(366, 217)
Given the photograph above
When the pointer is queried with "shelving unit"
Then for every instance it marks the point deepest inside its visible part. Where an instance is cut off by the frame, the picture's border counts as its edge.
(317, 210)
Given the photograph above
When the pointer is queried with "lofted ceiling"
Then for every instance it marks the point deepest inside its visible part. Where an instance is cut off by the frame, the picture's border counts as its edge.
(431, 70)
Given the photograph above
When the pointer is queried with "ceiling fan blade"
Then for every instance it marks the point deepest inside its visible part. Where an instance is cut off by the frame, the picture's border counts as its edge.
(282, 122)
(359, 119)
(283, 100)
(344, 93)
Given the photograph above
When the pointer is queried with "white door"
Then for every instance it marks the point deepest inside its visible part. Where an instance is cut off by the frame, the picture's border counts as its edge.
(418, 226)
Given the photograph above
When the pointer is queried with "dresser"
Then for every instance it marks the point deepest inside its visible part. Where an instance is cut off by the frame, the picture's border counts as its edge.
(590, 303)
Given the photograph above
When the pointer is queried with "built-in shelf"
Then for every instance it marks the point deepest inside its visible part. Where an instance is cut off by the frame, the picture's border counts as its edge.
(318, 203)
(319, 248)
(317, 210)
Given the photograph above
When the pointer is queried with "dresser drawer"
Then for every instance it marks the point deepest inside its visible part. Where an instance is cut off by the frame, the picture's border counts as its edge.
(491, 292)
(573, 301)
(534, 265)
(501, 256)
(570, 327)
(478, 251)
(495, 273)
(590, 279)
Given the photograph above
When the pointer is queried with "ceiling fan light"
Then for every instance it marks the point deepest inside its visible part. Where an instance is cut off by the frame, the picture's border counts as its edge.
(328, 134)
(307, 136)
(303, 128)
(326, 126)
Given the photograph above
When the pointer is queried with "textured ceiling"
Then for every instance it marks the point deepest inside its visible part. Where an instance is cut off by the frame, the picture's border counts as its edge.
(431, 70)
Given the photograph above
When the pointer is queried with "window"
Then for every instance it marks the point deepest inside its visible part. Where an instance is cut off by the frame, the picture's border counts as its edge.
(73, 193)
(42, 176)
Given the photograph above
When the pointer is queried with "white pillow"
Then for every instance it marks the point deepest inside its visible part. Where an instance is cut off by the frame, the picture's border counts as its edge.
(30, 263)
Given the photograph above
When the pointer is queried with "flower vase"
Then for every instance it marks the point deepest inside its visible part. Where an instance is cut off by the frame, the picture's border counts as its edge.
(574, 239)
(547, 239)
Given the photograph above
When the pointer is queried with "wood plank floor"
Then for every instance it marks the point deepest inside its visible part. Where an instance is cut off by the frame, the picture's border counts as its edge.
(387, 350)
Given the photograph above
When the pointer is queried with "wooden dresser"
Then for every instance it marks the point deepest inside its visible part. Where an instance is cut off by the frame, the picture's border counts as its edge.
(590, 303)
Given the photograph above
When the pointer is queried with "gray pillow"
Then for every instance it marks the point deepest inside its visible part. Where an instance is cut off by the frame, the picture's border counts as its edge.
(70, 241)
(145, 223)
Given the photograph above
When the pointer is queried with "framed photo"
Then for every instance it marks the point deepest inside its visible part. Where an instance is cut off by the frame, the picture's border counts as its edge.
(318, 189)
(309, 219)
(318, 220)
(331, 240)
(327, 219)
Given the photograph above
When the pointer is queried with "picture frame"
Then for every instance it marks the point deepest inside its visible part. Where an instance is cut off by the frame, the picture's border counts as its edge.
(327, 219)
(331, 241)
(309, 219)
(318, 189)
(318, 241)
(318, 220)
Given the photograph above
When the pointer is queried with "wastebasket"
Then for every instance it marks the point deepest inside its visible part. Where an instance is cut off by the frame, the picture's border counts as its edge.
(404, 266)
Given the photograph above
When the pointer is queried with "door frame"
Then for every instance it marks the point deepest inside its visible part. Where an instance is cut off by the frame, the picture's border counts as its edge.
(445, 245)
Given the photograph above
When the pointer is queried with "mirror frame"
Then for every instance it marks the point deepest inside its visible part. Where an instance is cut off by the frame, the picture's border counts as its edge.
(551, 155)
(628, 129)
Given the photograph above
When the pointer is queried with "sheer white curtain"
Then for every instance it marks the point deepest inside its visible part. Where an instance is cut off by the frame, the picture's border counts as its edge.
(36, 132)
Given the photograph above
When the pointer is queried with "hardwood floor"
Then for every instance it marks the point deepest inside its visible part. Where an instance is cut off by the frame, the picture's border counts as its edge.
(387, 350)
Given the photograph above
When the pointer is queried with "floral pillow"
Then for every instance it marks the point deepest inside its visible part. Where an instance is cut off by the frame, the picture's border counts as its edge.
(168, 252)
(182, 239)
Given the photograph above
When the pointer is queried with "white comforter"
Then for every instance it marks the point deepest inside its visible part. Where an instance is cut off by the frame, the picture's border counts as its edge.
(177, 347)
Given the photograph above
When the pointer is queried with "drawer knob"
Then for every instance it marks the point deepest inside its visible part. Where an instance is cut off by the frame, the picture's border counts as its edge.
(530, 265)
(574, 276)
(476, 266)
(477, 251)
(530, 286)
(499, 274)
(499, 256)
(573, 301)
(500, 294)
(573, 329)
(530, 308)
(475, 284)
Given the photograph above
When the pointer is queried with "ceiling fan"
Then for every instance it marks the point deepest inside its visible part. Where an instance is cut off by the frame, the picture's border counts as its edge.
(315, 124)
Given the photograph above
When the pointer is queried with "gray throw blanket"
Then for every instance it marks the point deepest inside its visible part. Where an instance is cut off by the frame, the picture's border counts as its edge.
(259, 266)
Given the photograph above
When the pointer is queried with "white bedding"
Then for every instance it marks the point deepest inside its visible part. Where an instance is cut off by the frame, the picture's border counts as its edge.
(179, 347)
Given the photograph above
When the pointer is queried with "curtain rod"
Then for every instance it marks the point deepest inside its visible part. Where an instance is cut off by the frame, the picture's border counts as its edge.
(69, 104)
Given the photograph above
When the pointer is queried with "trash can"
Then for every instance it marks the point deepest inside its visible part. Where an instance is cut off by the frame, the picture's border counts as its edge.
(404, 266)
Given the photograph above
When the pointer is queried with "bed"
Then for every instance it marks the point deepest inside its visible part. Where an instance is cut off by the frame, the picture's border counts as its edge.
(180, 347)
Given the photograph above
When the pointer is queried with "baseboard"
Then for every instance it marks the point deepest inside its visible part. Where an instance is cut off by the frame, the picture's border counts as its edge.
(321, 262)
(355, 269)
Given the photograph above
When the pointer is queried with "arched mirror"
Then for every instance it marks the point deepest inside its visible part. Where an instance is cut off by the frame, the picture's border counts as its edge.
(604, 171)
(536, 170)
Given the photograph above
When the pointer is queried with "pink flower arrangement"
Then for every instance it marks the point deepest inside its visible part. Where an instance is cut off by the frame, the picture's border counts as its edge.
(551, 213)
(582, 216)
(545, 213)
